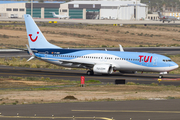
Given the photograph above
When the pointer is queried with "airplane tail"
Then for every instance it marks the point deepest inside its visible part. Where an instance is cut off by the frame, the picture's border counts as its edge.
(159, 13)
(54, 14)
(35, 37)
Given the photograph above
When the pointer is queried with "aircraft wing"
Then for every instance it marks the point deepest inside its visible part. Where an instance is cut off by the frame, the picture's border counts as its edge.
(73, 63)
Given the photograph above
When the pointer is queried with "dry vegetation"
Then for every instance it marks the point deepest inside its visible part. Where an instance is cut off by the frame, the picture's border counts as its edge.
(80, 35)
(16, 90)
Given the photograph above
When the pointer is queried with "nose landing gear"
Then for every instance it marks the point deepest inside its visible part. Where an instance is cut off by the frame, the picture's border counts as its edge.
(162, 73)
(160, 76)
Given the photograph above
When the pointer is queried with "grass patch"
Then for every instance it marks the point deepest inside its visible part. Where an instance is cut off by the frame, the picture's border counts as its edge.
(38, 83)
(93, 81)
(169, 97)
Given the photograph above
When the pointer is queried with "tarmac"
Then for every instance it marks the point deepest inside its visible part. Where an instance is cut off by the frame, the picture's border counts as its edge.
(95, 21)
(155, 109)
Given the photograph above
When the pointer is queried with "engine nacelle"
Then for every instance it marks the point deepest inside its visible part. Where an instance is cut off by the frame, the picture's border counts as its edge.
(128, 72)
(103, 68)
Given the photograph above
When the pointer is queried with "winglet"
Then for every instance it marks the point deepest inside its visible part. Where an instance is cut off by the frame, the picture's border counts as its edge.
(121, 48)
(31, 53)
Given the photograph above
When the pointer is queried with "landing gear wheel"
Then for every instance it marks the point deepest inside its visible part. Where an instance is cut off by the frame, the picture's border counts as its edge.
(160, 76)
(90, 72)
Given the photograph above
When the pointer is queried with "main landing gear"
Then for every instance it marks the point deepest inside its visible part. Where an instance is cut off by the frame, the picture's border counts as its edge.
(90, 72)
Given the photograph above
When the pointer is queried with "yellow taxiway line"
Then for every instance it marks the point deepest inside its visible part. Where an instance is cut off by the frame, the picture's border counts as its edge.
(126, 111)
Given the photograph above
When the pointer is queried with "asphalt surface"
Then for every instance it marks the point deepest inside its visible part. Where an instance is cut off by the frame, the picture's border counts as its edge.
(9, 54)
(120, 110)
(76, 75)
(93, 21)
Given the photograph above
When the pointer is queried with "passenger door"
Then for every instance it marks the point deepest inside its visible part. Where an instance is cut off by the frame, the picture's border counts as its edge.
(155, 59)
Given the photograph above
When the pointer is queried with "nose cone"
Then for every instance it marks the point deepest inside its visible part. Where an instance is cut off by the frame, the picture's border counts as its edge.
(173, 65)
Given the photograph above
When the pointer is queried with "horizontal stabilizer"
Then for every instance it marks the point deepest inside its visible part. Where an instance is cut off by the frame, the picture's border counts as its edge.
(31, 53)
(32, 57)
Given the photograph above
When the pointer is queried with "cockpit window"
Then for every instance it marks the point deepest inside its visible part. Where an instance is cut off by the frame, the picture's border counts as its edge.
(167, 60)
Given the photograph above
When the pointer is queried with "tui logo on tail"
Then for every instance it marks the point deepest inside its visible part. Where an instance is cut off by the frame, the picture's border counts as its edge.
(33, 40)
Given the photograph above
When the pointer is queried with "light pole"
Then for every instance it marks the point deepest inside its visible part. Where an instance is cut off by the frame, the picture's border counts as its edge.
(31, 8)
(172, 7)
(136, 10)
(158, 6)
(118, 11)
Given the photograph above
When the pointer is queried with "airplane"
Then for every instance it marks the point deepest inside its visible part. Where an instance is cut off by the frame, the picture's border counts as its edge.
(60, 16)
(166, 18)
(95, 61)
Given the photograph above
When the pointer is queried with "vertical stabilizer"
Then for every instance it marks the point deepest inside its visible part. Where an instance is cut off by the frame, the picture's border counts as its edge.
(159, 13)
(54, 15)
(35, 37)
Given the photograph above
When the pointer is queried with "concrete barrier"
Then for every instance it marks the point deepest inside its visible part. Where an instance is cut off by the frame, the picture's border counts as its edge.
(120, 81)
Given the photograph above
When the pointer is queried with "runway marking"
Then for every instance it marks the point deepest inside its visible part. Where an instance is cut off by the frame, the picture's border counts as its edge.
(53, 117)
(126, 111)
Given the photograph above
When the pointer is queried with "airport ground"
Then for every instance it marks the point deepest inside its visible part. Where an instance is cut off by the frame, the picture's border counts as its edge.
(93, 36)
(112, 110)
(155, 100)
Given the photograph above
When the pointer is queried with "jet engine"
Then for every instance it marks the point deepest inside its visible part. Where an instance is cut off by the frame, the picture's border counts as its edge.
(103, 68)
